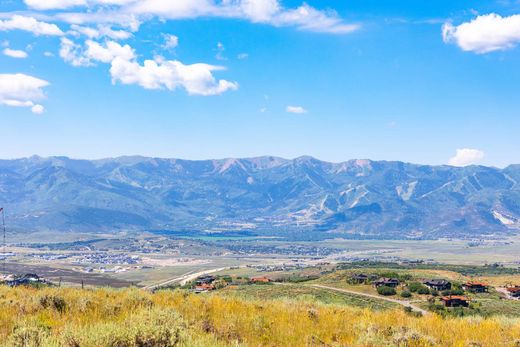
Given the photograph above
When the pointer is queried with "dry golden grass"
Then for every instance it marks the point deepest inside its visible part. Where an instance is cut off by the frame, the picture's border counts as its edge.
(103, 317)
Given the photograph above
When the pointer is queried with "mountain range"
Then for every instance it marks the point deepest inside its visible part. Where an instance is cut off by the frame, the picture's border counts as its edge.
(261, 196)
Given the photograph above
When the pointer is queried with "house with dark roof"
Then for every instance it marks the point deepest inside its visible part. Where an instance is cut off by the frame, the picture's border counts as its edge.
(388, 282)
(514, 291)
(25, 280)
(438, 284)
(476, 287)
(207, 279)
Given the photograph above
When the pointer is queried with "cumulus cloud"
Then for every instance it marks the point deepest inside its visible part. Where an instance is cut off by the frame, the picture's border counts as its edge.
(484, 34)
(100, 32)
(466, 156)
(170, 41)
(14, 53)
(296, 109)
(20, 90)
(54, 4)
(304, 17)
(73, 53)
(30, 24)
(196, 79)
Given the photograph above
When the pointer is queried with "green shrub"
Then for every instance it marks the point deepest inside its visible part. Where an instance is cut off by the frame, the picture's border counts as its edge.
(414, 286)
(423, 290)
(406, 294)
(385, 290)
(28, 335)
(157, 328)
(54, 302)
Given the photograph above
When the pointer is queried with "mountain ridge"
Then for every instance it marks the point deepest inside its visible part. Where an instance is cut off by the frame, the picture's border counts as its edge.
(267, 194)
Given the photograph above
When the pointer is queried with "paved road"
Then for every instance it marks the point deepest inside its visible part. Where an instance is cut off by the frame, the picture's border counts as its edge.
(187, 277)
(400, 302)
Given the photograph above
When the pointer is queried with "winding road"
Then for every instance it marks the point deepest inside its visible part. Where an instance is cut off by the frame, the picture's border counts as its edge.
(187, 277)
(400, 302)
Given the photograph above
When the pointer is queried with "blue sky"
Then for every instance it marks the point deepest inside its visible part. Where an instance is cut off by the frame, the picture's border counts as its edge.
(415, 81)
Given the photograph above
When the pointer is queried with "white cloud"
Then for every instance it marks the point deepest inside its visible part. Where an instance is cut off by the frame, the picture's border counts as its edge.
(19, 90)
(17, 22)
(108, 52)
(484, 34)
(466, 156)
(243, 56)
(100, 32)
(73, 53)
(304, 17)
(196, 79)
(38, 109)
(14, 53)
(54, 4)
(296, 109)
(170, 41)
(93, 52)
(220, 51)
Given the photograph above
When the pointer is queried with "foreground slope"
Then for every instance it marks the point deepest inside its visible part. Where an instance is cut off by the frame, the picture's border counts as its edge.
(101, 317)
(358, 198)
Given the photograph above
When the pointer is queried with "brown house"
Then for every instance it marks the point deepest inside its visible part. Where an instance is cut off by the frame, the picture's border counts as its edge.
(204, 287)
(260, 279)
(476, 287)
(455, 301)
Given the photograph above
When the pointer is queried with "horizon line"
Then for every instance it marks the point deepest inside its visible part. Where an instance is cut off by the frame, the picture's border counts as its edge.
(249, 158)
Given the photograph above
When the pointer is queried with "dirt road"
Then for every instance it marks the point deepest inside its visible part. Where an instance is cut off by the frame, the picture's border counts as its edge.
(182, 280)
(400, 302)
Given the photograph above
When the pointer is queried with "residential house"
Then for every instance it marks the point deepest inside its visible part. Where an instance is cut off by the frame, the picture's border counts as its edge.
(514, 292)
(455, 301)
(438, 284)
(260, 279)
(476, 287)
(204, 287)
(388, 282)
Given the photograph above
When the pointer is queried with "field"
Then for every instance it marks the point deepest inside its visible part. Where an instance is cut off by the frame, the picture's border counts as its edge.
(305, 294)
(105, 317)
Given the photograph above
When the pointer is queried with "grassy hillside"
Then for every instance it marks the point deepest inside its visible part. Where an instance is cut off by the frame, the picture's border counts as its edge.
(102, 317)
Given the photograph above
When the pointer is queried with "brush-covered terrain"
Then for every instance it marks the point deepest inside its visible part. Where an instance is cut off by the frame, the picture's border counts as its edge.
(132, 317)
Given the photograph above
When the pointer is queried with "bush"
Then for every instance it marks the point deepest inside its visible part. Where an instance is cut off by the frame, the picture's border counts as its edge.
(28, 335)
(406, 294)
(385, 290)
(434, 292)
(414, 286)
(54, 302)
(159, 327)
(423, 290)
